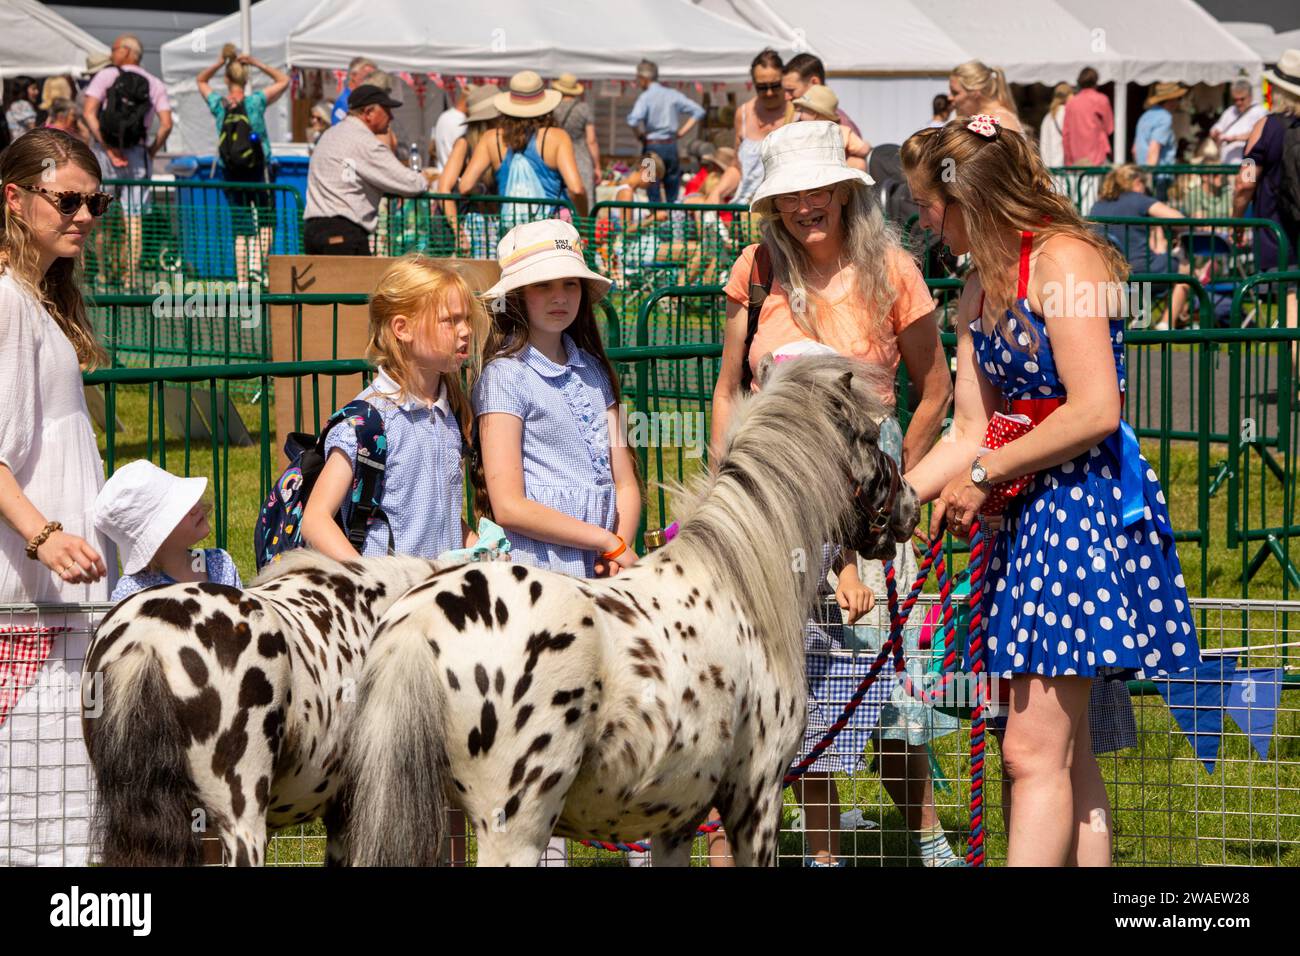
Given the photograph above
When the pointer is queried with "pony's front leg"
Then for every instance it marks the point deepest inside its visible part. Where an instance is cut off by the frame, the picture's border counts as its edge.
(243, 843)
(674, 849)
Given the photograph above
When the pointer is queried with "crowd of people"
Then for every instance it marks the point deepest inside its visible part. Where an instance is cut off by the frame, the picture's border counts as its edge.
(1084, 584)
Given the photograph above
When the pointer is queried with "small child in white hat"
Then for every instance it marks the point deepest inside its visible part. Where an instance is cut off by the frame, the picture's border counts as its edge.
(156, 519)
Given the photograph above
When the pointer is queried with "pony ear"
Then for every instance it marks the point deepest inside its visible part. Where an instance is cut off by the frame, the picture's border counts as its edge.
(846, 383)
(765, 366)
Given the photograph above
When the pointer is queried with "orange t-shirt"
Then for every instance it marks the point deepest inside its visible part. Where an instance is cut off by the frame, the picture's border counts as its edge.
(844, 325)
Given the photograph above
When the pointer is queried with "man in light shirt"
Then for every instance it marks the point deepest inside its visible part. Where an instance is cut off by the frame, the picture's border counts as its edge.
(1232, 129)
(450, 126)
(657, 118)
(351, 170)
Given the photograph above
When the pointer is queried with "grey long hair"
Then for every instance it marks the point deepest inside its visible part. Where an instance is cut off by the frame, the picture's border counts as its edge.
(757, 523)
(868, 244)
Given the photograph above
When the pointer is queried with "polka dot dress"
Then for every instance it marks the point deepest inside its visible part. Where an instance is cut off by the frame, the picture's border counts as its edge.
(1070, 588)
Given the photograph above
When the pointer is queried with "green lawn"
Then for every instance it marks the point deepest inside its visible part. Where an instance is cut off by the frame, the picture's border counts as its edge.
(1167, 809)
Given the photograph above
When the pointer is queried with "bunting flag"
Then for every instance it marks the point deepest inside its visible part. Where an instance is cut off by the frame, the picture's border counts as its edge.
(339, 77)
(1252, 702)
(1195, 700)
(437, 80)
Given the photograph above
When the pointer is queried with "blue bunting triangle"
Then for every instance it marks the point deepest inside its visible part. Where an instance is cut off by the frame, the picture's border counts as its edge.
(1252, 704)
(1195, 698)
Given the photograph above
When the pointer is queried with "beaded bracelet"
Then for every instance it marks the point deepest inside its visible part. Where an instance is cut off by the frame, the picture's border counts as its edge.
(41, 535)
(611, 555)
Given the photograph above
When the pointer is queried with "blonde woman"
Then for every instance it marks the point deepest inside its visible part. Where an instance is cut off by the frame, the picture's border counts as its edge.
(839, 277)
(1084, 574)
(245, 152)
(50, 473)
(977, 88)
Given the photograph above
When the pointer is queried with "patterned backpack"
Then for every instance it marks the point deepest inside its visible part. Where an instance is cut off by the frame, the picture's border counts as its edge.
(279, 526)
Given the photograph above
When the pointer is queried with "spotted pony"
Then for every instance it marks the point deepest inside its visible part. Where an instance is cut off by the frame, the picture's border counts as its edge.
(616, 708)
(224, 710)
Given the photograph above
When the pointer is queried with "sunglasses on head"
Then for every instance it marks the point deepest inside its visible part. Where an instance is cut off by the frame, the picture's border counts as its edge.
(68, 202)
(767, 87)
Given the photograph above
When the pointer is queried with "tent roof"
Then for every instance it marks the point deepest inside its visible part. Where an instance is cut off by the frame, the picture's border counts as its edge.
(1260, 37)
(272, 22)
(36, 41)
(586, 37)
(1140, 41)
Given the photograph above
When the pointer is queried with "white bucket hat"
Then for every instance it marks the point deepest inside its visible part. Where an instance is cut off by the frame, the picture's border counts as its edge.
(140, 506)
(1287, 72)
(801, 156)
(541, 251)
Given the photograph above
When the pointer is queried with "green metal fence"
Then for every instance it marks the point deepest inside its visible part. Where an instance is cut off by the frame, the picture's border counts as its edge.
(1196, 190)
(170, 231)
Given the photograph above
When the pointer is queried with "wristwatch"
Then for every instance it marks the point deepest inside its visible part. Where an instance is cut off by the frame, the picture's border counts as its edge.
(979, 476)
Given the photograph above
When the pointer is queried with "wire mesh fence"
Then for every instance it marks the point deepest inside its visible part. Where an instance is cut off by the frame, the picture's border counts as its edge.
(1210, 777)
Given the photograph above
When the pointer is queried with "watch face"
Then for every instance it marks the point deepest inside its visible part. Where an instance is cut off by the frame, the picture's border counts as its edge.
(978, 474)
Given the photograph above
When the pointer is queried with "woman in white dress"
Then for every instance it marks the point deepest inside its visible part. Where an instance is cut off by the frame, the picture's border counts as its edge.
(50, 472)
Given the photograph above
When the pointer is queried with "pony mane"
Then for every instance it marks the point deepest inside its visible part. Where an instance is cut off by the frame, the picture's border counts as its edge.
(756, 523)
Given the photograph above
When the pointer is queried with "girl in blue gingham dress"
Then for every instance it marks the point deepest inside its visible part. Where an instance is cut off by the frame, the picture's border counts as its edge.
(555, 470)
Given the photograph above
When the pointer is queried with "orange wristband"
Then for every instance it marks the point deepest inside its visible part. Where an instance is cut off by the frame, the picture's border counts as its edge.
(611, 555)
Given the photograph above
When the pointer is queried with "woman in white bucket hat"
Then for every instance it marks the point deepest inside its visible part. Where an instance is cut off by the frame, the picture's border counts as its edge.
(838, 276)
(555, 468)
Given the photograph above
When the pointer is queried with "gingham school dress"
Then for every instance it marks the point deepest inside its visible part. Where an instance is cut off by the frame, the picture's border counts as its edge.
(1073, 586)
(424, 482)
(220, 567)
(834, 674)
(566, 450)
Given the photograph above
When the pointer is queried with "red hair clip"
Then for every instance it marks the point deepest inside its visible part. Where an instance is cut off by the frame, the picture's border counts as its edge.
(984, 125)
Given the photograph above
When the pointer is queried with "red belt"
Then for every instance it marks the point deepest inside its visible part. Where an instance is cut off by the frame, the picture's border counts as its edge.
(1035, 409)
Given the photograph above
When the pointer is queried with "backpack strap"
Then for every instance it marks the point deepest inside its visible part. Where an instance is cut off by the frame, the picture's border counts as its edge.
(760, 284)
(370, 470)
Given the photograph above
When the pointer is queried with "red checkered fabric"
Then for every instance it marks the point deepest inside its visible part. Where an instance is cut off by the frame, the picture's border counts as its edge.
(1003, 429)
(23, 651)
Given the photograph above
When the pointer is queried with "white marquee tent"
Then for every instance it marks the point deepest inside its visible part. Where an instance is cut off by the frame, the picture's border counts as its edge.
(36, 41)
(1268, 44)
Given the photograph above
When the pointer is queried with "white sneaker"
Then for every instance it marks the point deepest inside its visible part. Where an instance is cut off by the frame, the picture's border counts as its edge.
(855, 820)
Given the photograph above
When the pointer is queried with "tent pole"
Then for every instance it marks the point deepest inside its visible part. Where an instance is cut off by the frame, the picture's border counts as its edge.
(1121, 120)
(246, 26)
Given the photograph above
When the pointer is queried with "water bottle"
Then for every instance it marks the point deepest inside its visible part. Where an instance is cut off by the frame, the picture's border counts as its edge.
(415, 158)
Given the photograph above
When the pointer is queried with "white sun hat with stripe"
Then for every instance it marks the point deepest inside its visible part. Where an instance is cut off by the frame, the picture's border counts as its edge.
(541, 251)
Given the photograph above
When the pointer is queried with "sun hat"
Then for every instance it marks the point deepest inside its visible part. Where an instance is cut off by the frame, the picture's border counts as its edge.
(541, 251)
(481, 105)
(724, 157)
(1286, 73)
(140, 505)
(1165, 91)
(802, 156)
(527, 97)
(567, 84)
(98, 61)
(820, 100)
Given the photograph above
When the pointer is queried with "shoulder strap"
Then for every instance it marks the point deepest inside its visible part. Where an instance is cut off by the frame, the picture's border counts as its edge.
(760, 284)
(1026, 245)
(371, 468)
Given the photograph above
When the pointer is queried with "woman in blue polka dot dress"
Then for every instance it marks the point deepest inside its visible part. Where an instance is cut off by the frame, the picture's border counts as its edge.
(1084, 574)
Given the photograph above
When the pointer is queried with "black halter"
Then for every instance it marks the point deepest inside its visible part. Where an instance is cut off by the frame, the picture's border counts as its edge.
(878, 517)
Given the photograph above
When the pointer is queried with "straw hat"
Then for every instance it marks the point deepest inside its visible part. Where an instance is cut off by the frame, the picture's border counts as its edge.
(820, 100)
(802, 156)
(481, 105)
(140, 505)
(541, 251)
(723, 158)
(527, 97)
(1287, 72)
(1165, 91)
(568, 85)
(97, 61)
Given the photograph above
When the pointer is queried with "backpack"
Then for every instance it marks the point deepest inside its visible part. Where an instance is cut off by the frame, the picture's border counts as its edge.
(522, 181)
(760, 284)
(1288, 191)
(239, 148)
(125, 109)
(279, 525)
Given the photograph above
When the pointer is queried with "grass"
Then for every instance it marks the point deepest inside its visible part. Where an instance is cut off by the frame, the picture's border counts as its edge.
(1167, 809)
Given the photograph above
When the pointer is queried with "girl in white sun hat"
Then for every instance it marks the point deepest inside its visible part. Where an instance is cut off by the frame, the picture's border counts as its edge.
(156, 519)
(555, 468)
